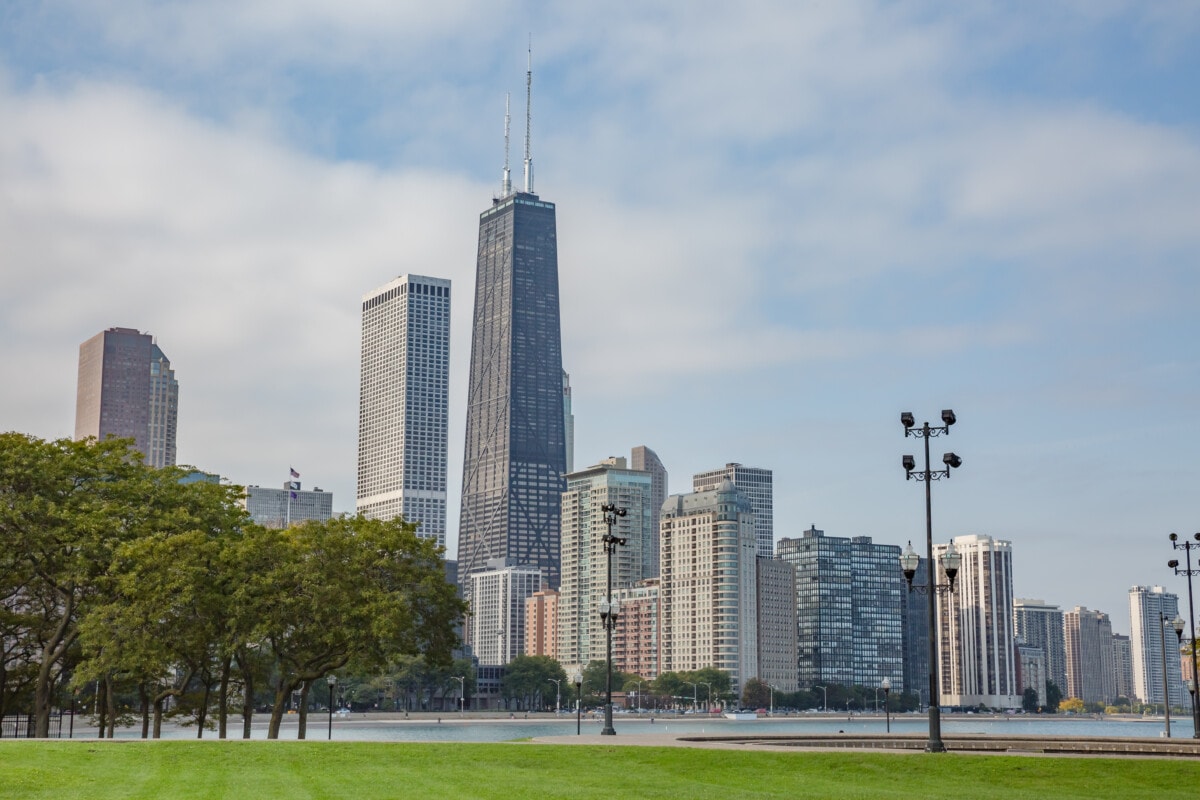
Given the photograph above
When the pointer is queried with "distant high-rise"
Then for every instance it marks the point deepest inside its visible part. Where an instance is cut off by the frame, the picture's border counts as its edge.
(514, 459)
(541, 623)
(1122, 666)
(1089, 643)
(755, 483)
(287, 506)
(1148, 635)
(128, 389)
(976, 643)
(843, 587)
(581, 636)
(777, 624)
(498, 595)
(709, 610)
(644, 459)
(404, 403)
(915, 609)
(1040, 624)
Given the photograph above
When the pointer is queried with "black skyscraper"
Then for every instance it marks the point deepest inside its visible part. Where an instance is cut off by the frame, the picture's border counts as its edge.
(515, 456)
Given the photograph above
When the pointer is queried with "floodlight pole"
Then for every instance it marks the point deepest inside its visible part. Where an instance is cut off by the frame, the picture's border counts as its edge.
(926, 432)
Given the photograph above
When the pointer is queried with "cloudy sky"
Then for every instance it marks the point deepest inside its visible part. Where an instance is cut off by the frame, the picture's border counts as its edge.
(780, 225)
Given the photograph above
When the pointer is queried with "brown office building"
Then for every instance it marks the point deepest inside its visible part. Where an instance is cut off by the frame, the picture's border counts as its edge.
(128, 389)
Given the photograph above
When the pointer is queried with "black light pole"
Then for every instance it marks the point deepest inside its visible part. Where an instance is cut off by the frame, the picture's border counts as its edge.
(577, 679)
(886, 685)
(950, 560)
(609, 608)
(462, 693)
(1162, 637)
(1194, 685)
(332, 681)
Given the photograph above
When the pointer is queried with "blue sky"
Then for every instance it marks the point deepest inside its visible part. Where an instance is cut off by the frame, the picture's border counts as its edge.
(780, 225)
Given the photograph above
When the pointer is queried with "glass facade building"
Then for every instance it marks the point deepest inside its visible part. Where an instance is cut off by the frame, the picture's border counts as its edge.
(850, 597)
(1040, 624)
(514, 459)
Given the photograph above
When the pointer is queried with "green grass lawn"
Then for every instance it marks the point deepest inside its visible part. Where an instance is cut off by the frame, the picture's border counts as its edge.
(366, 770)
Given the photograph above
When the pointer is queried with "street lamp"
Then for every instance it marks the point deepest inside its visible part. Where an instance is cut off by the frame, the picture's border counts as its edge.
(1162, 640)
(577, 679)
(462, 692)
(332, 681)
(1187, 548)
(950, 560)
(886, 685)
(824, 689)
(557, 693)
(610, 609)
(695, 704)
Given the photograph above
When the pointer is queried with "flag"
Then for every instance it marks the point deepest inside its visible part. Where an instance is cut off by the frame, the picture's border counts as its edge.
(293, 495)
(294, 473)
(294, 485)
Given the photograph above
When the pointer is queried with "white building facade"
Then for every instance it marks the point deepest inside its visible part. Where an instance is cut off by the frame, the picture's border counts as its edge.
(404, 403)
(976, 642)
(757, 485)
(497, 622)
(584, 564)
(1148, 636)
(709, 611)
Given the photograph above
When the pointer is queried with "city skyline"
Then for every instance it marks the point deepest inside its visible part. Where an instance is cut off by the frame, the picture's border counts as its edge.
(779, 228)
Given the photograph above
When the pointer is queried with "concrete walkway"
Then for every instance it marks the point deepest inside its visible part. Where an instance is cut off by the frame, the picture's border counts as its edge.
(906, 743)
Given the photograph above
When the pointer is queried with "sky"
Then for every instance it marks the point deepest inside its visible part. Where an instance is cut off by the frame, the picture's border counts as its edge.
(780, 225)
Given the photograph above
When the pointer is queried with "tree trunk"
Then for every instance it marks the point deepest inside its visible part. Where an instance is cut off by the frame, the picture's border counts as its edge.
(247, 703)
(202, 713)
(110, 700)
(303, 728)
(144, 696)
(223, 698)
(282, 692)
(100, 707)
(158, 716)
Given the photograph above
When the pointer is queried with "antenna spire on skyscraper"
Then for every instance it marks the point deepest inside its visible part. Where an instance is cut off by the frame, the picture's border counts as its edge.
(506, 182)
(528, 116)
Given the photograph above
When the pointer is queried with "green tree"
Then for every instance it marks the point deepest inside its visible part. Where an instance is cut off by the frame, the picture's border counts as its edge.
(65, 507)
(1029, 699)
(1053, 697)
(528, 680)
(756, 694)
(352, 588)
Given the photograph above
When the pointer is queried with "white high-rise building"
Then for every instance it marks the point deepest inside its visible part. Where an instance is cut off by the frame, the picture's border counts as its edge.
(709, 585)
(976, 642)
(1090, 675)
(404, 403)
(581, 636)
(1148, 635)
(498, 595)
(756, 484)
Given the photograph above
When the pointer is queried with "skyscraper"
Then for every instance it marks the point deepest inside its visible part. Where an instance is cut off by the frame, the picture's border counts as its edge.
(1040, 624)
(777, 624)
(514, 460)
(568, 422)
(128, 389)
(849, 609)
(976, 644)
(708, 587)
(498, 594)
(403, 405)
(1148, 635)
(644, 459)
(756, 484)
(1089, 646)
(584, 562)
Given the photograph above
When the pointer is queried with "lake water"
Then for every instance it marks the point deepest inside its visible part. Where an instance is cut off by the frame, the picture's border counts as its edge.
(454, 729)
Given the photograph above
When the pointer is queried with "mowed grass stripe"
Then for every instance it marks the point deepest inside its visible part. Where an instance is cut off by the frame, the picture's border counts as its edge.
(368, 770)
